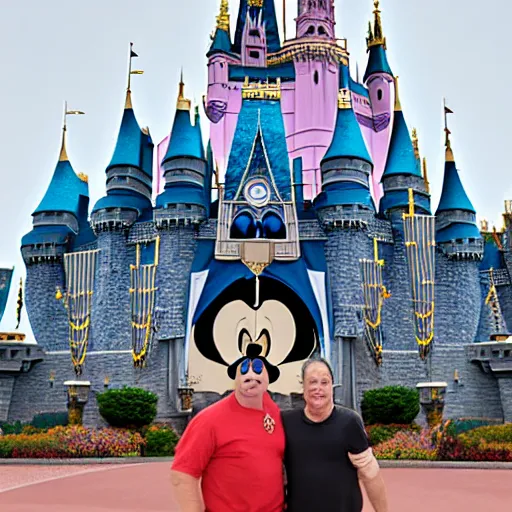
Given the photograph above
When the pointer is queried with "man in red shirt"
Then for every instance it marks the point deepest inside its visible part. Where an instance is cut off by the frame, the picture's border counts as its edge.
(230, 458)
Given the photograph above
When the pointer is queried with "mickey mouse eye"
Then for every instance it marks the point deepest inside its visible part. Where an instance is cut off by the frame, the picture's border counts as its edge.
(245, 366)
(257, 366)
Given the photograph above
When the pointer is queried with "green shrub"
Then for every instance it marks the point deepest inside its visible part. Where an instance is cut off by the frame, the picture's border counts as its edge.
(12, 428)
(381, 433)
(48, 420)
(391, 404)
(127, 407)
(161, 441)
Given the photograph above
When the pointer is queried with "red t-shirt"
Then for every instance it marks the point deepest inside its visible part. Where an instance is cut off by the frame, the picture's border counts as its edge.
(240, 463)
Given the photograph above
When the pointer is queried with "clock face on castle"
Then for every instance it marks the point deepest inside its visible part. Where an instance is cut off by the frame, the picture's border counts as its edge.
(281, 323)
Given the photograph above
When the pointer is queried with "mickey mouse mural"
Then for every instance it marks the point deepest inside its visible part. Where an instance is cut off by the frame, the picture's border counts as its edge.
(256, 283)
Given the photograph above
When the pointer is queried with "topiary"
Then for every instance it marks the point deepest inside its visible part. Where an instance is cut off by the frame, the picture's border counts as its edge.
(127, 407)
(391, 404)
(48, 420)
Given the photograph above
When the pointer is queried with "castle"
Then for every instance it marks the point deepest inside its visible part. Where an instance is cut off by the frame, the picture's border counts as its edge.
(304, 225)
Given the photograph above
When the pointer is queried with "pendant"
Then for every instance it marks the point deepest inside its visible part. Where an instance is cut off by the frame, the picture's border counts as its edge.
(269, 424)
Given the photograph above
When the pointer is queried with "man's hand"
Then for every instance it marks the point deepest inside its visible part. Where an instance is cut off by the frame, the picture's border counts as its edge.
(187, 492)
(369, 473)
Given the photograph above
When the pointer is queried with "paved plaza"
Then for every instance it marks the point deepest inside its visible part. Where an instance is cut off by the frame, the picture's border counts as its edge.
(146, 488)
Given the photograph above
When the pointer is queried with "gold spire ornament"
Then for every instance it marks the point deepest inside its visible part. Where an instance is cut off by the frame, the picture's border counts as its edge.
(449, 152)
(415, 143)
(398, 106)
(128, 102)
(183, 103)
(63, 153)
(425, 175)
(376, 38)
(223, 17)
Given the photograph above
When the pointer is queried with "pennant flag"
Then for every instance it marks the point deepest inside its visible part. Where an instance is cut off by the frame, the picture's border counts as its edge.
(447, 110)
(19, 304)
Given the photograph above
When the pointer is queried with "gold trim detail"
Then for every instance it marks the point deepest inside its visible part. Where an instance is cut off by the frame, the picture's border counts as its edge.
(223, 17)
(255, 3)
(261, 91)
(344, 99)
(376, 37)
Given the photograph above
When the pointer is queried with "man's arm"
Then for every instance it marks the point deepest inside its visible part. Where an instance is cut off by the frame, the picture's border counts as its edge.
(187, 492)
(369, 474)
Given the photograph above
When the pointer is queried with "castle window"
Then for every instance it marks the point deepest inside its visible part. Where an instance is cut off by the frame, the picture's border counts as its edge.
(254, 54)
(316, 77)
(322, 31)
(379, 94)
(254, 33)
(311, 30)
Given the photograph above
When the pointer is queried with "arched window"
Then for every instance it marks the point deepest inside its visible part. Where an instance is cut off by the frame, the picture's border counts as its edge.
(310, 31)
(379, 94)
(316, 78)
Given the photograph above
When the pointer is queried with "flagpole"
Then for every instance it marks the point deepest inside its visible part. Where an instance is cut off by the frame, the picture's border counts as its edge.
(284, 19)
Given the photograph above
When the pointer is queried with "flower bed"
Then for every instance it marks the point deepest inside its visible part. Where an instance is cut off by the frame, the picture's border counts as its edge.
(72, 442)
(407, 445)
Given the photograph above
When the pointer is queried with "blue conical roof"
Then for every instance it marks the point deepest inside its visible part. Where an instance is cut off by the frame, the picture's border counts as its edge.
(453, 196)
(347, 139)
(134, 146)
(185, 138)
(401, 158)
(221, 42)
(377, 62)
(63, 193)
(269, 19)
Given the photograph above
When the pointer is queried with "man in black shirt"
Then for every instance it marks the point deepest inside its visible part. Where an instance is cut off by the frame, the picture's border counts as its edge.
(327, 452)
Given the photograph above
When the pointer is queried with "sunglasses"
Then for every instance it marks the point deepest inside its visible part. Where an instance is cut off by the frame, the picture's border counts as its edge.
(257, 366)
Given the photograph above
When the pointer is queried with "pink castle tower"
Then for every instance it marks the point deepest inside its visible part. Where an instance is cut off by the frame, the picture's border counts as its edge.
(379, 81)
(310, 105)
(254, 42)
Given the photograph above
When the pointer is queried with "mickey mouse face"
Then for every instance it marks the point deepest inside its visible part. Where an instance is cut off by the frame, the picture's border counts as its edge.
(282, 325)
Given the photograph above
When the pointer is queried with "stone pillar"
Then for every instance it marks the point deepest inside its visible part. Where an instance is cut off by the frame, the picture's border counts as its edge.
(505, 387)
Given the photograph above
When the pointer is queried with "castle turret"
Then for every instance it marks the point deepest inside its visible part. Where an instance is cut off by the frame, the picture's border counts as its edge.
(129, 177)
(458, 261)
(59, 220)
(378, 78)
(316, 19)
(179, 210)
(402, 172)
(262, 12)
(128, 201)
(346, 209)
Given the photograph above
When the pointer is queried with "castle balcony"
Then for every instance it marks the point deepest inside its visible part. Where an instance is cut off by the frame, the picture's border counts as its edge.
(346, 217)
(310, 48)
(463, 249)
(42, 253)
(112, 219)
(494, 356)
(179, 215)
(15, 355)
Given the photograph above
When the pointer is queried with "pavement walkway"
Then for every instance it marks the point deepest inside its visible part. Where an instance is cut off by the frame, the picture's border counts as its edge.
(146, 487)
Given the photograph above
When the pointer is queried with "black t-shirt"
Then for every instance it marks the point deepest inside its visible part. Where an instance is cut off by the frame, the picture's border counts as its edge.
(320, 475)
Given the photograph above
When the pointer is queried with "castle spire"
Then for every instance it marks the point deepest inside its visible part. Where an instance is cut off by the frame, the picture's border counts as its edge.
(128, 101)
(448, 145)
(398, 106)
(223, 17)
(376, 38)
(182, 103)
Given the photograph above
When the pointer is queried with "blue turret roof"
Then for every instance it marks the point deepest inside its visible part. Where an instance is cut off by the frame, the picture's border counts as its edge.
(377, 62)
(400, 199)
(401, 158)
(270, 20)
(58, 235)
(186, 138)
(182, 194)
(125, 200)
(221, 42)
(64, 191)
(493, 257)
(134, 146)
(345, 194)
(347, 139)
(453, 196)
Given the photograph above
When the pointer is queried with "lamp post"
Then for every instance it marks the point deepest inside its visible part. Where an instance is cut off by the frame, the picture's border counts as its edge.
(432, 395)
(78, 396)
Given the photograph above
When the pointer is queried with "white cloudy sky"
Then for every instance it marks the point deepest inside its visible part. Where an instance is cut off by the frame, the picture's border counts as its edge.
(54, 50)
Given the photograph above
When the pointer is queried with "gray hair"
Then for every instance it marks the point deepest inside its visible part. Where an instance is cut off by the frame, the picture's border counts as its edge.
(313, 360)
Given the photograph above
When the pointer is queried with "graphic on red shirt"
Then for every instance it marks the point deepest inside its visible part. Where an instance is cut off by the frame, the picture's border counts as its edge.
(239, 460)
